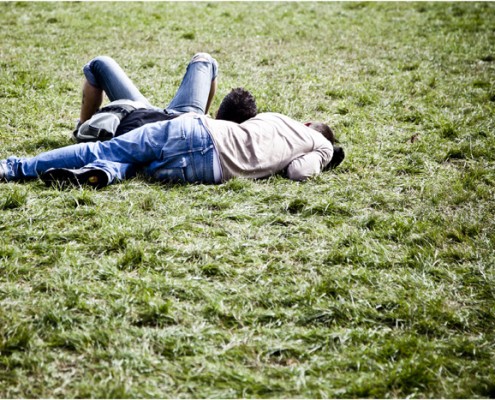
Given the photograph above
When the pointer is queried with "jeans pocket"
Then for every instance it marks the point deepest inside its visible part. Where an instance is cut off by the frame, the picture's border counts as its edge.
(170, 175)
(171, 171)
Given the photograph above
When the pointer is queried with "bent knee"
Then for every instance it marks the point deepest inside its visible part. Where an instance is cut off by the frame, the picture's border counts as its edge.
(206, 58)
(202, 57)
(97, 67)
(102, 60)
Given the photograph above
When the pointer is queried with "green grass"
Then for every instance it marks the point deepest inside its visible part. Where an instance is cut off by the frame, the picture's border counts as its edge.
(373, 280)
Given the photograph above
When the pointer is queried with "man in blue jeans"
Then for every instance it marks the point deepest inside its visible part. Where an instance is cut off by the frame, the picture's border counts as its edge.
(191, 148)
(195, 94)
(104, 75)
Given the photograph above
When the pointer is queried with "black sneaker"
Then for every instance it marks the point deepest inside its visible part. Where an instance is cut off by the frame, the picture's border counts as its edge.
(94, 177)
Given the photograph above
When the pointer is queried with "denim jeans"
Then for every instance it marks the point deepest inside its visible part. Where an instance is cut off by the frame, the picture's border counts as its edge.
(179, 150)
(192, 96)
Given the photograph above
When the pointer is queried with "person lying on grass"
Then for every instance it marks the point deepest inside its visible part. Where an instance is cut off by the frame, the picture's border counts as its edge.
(195, 94)
(191, 148)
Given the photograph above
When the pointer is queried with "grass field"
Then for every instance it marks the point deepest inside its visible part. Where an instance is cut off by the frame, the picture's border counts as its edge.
(373, 280)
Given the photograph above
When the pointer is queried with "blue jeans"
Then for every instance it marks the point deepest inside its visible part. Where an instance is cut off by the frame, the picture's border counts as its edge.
(179, 150)
(192, 96)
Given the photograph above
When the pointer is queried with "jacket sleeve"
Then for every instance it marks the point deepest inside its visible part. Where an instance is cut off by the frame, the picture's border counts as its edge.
(309, 164)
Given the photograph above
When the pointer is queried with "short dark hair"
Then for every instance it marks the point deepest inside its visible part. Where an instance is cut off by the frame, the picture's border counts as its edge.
(337, 158)
(325, 130)
(338, 152)
(238, 106)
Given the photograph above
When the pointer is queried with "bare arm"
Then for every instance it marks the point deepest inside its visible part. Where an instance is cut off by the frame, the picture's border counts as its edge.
(92, 98)
(213, 89)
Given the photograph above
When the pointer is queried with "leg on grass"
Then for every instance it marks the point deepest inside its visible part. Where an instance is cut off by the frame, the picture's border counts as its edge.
(198, 86)
(104, 75)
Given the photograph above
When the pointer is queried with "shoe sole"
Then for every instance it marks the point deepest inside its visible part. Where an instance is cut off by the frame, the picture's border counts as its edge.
(64, 177)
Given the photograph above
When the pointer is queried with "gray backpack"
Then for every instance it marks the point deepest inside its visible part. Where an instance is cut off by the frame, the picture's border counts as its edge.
(104, 123)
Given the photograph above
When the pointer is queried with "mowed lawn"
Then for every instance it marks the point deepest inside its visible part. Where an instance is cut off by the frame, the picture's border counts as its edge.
(373, 280)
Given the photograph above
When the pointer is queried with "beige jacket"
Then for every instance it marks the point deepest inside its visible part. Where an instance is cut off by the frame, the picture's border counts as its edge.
(267, 144)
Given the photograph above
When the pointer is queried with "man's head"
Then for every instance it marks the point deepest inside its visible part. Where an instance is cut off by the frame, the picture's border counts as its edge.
(324, 129)
(238, 106)
(337, 158)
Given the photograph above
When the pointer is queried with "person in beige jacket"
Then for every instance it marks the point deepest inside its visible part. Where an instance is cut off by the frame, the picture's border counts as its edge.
(192, 148)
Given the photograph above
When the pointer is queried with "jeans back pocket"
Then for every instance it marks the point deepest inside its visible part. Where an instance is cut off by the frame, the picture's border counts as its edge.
(171, 171)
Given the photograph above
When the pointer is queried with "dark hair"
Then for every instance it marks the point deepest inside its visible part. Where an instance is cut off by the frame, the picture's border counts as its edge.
(338, 152)
(238, 106)
(325, 130)
(337, 158)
